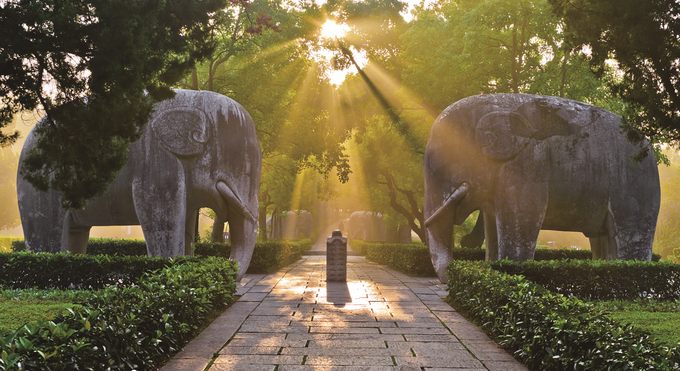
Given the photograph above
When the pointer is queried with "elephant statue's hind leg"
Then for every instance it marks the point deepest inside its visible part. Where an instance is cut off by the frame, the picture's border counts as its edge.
(76, 235)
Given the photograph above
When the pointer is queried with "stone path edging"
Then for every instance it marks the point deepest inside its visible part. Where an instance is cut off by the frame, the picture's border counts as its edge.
(379, 320)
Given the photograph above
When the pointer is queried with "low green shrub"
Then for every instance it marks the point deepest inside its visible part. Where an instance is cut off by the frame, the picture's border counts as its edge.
(462, 253)
(267, 256)
(125, 328)
(272, 255)
(549, 331)
(359, 246)
(116, 247)
(599, 279)
(6, 243)
(412, 259)
(72, 271)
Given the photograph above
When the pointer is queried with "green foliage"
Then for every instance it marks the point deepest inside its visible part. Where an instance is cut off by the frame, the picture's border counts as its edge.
(267, 257)
(412, 259)
(65, 271)
(116, 247)
(124, 328)
(600, 279)
(106, 63)
(359, 246)
(549, 331)
(7, 242)
(462, 253)
(16, 313)
(658, 317)
(643, 37)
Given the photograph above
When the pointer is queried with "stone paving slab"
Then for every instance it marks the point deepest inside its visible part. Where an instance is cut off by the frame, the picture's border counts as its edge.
(378, 320)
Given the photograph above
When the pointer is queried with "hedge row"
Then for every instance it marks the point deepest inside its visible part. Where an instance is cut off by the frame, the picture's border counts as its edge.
(6, 243)
(600, 280)
(126, 328)
(549, 331)
(462, 253)
(412, 259)
(267, 256)
(70, 271)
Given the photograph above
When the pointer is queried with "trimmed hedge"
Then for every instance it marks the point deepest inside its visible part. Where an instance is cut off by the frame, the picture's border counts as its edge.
(6, 243)
(267, 256)
(462, 253)
(412, 259)
(71, 271)
(599, 279)
(549, 331)
(125, 328)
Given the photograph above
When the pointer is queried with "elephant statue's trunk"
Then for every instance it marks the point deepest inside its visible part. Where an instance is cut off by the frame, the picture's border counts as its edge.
(459, 193)
(234, 200)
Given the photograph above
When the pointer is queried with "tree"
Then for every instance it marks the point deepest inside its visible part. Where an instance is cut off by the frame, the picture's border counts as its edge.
(460, 48)
(451, 50)
(643, 37)
(264, 61)
(96, 68)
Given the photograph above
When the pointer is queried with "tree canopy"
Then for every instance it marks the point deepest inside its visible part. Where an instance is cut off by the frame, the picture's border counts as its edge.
(96, 68)
(643, 38)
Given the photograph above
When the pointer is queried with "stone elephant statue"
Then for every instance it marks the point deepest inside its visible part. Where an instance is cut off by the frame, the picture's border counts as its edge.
(292, 225)
(199, 149)
(534, 162)
(367, 226)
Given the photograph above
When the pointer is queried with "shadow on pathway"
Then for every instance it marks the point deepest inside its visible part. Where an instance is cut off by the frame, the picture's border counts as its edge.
(379, 319)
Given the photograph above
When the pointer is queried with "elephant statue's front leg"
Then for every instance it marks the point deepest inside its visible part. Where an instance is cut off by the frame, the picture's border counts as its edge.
(490, 236)
(520, 211)
(161, 209)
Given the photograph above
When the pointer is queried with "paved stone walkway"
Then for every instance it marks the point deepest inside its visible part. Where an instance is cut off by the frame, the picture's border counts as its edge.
(379, 320)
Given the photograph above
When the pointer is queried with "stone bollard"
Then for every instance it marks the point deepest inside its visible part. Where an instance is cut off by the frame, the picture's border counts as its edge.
(336, 258)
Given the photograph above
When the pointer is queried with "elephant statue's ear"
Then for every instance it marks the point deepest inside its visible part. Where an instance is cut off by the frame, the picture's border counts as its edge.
(502, 135)
(182, 131)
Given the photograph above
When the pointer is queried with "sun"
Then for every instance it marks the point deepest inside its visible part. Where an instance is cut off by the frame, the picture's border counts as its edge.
(332, 30)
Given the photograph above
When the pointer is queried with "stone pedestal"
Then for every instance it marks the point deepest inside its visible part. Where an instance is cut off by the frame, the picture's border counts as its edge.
(336, 258)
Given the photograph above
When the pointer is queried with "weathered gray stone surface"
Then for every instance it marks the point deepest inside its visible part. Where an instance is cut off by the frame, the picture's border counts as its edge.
(535, 162)
(336, 260)
(198, 150)
(292, 225)
(367, 226)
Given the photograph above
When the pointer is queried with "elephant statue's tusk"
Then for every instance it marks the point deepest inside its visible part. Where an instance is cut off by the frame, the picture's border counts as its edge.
(233, 199)
(461, 191)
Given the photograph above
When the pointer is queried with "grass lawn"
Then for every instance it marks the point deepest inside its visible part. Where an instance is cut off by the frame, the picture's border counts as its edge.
(19, 307)
(659, 318)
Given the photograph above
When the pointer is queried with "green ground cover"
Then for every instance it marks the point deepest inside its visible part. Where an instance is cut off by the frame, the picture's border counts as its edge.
(661, 319)
(19, 307)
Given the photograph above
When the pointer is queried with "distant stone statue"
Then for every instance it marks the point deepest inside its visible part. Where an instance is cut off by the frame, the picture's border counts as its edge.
(367, 226)
(534, 162)
(292, 225)
(198, 150)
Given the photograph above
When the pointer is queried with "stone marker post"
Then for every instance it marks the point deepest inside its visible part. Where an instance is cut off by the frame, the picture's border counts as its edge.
(336, 258)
